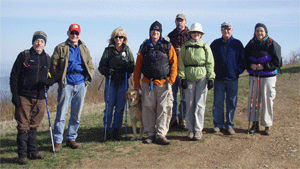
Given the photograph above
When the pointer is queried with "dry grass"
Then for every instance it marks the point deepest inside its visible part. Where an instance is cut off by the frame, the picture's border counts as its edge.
(94, 95)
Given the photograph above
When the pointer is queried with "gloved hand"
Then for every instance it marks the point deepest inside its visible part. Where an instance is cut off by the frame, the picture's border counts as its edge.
(47, 82)
(183, 83)
(210, 84)
(111, 71)
(125, 68)
(16, 100)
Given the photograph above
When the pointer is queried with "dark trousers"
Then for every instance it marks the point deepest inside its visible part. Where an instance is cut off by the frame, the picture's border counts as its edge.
(29, 117)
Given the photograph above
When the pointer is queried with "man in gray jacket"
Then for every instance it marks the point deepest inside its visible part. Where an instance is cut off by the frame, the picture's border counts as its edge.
(73, 68)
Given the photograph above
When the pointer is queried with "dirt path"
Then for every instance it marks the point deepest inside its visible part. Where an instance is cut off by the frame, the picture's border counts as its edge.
(280, 150)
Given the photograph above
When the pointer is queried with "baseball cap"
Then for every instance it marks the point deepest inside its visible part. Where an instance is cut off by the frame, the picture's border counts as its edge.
(74, 27)
(181, 16)
(226, 24)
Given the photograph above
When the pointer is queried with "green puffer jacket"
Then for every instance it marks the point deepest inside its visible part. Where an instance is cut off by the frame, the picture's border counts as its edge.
(60, 60)
(196, 61)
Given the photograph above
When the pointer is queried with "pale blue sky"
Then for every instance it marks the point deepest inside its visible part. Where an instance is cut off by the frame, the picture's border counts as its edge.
(98, 18)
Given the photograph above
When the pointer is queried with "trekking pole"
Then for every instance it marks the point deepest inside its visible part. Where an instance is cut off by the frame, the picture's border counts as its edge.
(125, 106)
(257, 93)
(251, 104)
(101, 84)
(46, 97)
(105, 113)
(181, 102)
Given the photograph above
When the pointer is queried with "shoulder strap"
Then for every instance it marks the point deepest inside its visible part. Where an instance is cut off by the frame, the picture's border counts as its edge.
(26, 56)
(270, 41)
(144, 47)
(166, 46)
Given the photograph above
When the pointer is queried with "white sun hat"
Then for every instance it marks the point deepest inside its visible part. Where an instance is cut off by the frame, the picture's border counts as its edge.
(196, 27)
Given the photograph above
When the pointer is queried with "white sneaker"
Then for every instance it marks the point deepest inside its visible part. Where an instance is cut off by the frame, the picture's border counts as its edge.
(190, 135)
(231, 131)
(198, 135)
(216, 129)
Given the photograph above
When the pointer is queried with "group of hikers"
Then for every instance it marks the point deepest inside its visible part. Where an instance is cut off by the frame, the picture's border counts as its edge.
(163, 66)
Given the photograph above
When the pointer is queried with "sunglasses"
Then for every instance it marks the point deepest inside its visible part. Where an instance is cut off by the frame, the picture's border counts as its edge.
(120, 37)
(223, 29)
(74, 32)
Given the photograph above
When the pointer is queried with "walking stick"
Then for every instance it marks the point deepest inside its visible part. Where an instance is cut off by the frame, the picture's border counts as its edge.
(251, 104)
(105, 113)
(49, 120)
(181, 102)
(257, 93)
(125, 106)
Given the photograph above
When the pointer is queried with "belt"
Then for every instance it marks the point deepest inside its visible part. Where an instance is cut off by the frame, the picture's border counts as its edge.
(195, 65)
(73, 73)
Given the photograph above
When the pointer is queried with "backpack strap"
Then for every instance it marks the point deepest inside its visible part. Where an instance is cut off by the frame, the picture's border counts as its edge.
(26, 55)
(194, 46)
(270, 41)
(197, 47)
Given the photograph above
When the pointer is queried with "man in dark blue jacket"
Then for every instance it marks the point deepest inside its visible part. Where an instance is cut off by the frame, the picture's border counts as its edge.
(229, 64)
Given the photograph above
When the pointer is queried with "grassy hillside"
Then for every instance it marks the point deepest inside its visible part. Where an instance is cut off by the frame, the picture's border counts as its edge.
(90, 134)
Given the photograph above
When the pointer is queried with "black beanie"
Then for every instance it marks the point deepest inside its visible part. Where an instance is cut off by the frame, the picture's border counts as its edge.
(156, 26)
(260, 25)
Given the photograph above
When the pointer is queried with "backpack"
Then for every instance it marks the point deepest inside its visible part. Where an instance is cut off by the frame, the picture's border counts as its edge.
(26, 55)
(166, 46)
(277, 51)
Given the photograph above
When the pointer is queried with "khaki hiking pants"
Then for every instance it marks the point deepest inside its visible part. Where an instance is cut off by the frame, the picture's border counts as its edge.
(266, 97)
(195, 95)
(157, 108)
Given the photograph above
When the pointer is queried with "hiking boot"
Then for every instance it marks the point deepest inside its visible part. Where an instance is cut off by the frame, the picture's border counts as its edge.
(182, 123)
(149, 140)
(268, 131)
(190, 135)
(57, 147)
(254, 128)
(174, 124)
(73, 144)
(217, 129)
(162, 140)
(23, 161)
(198, 135)
(36, 156)
(230, 131)
(116, 134)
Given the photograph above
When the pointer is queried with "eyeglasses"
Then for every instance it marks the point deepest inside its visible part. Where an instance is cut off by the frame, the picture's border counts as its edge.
(120, 37)
(74, 32)
(224, 29)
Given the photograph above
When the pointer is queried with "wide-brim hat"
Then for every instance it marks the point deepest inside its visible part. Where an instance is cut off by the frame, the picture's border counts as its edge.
(196, 27)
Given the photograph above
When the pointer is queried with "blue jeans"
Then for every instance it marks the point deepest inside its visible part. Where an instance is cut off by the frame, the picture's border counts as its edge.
(175, 87)
(114, 98)
(230, 87)
(75, 95)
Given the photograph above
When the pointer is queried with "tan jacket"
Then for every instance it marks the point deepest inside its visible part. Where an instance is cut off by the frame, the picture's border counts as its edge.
(60, 60)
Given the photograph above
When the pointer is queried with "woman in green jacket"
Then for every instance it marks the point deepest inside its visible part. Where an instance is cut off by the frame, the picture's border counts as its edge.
(196, 71)
(117, 61)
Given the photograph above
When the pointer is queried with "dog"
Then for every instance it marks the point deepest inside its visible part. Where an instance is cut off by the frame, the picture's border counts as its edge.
(133, 98)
